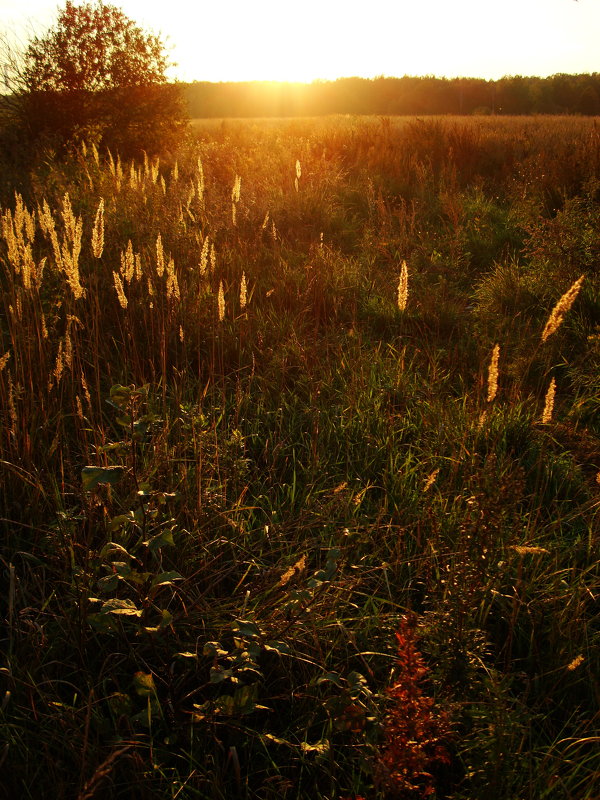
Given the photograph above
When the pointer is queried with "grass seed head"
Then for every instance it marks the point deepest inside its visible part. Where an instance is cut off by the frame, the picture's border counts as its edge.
(403, 287)
(493, 374)
(559, 311)
(549, 403)
(221, 302)
(243, 292)
(98, 231)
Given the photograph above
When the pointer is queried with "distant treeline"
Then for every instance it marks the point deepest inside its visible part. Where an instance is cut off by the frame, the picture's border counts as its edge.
(558, 94)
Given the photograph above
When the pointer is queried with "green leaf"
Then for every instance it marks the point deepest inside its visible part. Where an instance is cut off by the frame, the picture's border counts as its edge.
(246, 628)
(108, 584)
(120, 521)
(320, 747)
(143, 683)
(160, 540)
(92, 476)
(120, 704)
(213, 649)
(218, 674)
(114, 547)
(330, 677)
(166, 579)
(123, 607)
(281, 648)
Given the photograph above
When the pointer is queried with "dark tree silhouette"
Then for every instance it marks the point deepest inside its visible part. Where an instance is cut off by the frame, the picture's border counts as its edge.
(97, 75)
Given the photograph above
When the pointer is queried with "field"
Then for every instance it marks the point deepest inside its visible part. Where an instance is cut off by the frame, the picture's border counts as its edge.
(300, 458)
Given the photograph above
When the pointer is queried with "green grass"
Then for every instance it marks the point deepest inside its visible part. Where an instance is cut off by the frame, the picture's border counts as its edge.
(212, 530)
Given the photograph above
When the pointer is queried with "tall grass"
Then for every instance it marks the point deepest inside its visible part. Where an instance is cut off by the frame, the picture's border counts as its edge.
(237, 451)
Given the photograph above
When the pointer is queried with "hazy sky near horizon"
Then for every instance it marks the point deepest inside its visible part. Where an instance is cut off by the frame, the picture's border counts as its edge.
(235, 40)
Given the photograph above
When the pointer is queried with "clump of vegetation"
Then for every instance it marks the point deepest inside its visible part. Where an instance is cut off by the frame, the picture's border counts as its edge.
(95, 76)
(261, 399)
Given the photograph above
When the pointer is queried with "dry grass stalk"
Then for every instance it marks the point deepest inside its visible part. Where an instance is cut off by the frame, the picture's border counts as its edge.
(221, 302)
(549, 403)
(98, 231)
(12, 409)
(237, 188)
(70, 258)
(577, 662)
(243, 292)
(204, 255)
(298, 175)
(200, 183)
(403, 287)
(160, 257)
(120, 291)
(68, 217)
(172, 282)
(493, 374)
(298, 567)
(559, 311)
(430, 480)
(235, 198)
(128, 263)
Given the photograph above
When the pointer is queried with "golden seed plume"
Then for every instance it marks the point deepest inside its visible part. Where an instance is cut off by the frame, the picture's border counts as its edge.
(58, 368)
(297, 569)
(430, 480)
(86, 391)
(128, 263)
(98, 231)
(221, 302)
(68, 217)
(549, 403)
(403, 287)
(235, 198)
(200, 183)
(559, 311)
(526, 550)
(172, 282)
(12, 410)
(493, 374)
(160, 257)
(204, 255)
(577, 662)
(243, 296)
(237, 188)
(120, 291)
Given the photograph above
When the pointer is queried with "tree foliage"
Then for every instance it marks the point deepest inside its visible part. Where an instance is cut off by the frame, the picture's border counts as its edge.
(97, 75)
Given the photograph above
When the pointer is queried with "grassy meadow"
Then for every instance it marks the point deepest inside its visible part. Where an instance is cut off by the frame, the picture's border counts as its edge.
(300, 464)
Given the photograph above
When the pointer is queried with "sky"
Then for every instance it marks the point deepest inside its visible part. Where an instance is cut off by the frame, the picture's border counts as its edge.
(306, 40)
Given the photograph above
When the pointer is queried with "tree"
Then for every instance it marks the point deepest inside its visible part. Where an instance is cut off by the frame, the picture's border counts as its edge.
(97, 75)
